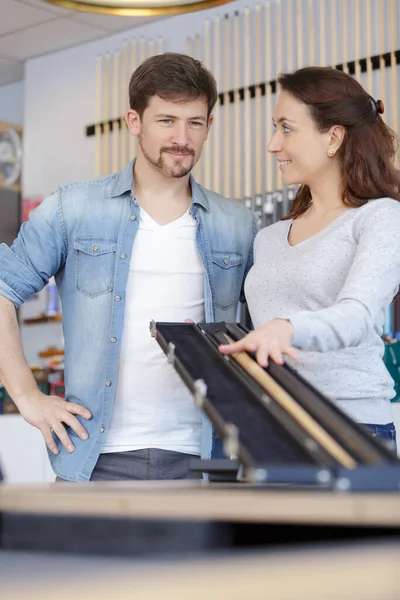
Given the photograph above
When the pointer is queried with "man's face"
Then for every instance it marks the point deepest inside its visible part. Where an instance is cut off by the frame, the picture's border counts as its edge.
(171, 134)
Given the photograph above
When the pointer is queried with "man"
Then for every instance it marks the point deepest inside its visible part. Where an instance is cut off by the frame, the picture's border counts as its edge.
(145, 243)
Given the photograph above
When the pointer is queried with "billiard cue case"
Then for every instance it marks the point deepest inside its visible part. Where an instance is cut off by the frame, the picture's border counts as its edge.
(276, 429)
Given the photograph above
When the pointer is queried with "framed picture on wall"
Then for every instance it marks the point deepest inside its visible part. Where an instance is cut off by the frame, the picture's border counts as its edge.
(10, 181)
(10, 156)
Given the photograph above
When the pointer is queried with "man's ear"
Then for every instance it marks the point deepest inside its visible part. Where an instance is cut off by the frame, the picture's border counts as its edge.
(209, 123)
(133, 122)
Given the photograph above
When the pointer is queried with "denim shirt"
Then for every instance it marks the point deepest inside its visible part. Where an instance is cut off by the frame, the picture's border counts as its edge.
(83, 234)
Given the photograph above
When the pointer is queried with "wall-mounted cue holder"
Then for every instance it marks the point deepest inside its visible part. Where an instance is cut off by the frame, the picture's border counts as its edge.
(276, 429)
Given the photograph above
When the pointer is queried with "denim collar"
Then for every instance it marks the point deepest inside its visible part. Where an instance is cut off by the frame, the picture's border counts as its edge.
(124, 183)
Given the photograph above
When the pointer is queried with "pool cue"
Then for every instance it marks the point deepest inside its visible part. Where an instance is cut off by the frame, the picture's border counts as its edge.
(217, 126)
(189, 46)
(197, 170)
(290, 35)
(115, 113)
(333, 38)
(237, 129)
(278, 29)
(293, 408)
(299, 32)
(382, 66)
(248, 194)
(393, 71)
(133, 143)
(322, 40)
(227, 110)
(98, 112)
(206, 157)
(123, 148)
(369, 48)
(142, 50)
(345, 54)
(268, 102)
(311, 35)
(106, 116)
(258, 100)
(357, 41)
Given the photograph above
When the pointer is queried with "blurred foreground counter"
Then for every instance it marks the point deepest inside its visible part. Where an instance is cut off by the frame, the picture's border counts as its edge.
(335, 572)
(159, 518)
(179, 540)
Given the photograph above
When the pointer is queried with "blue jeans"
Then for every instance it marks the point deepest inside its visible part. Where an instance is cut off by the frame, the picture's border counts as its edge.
(385, 433)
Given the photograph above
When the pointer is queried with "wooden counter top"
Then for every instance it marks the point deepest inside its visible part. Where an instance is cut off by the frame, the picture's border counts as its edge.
(357, 572)
(201, 501)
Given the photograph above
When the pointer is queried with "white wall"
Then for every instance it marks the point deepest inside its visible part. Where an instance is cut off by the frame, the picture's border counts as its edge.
(12, 102)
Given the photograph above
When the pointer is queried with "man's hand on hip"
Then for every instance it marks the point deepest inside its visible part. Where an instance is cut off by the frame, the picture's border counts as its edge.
(49, 414)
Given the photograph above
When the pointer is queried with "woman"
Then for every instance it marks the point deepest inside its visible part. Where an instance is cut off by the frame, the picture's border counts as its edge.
(324, 277)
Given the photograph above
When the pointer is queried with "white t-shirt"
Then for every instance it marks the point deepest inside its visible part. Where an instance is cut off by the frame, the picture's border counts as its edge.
(152, 407)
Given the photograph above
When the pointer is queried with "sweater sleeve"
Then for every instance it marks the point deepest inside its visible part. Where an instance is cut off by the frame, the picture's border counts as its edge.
(372, 282)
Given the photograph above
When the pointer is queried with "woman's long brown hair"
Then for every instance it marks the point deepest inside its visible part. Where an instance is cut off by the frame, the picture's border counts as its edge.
(369, 146)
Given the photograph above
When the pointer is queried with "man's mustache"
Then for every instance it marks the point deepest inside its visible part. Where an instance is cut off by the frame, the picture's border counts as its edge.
(178, 150)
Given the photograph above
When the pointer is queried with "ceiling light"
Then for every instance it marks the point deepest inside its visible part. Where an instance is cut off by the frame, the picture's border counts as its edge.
(137, 8)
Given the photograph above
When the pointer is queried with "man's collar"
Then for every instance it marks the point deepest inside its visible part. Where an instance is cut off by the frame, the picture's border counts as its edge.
(124, 180)
(124, 183)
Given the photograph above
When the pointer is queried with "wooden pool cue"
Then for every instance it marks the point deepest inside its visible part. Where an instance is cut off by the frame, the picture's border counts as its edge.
(294, 409)
(206, 157)
(258, 154)
(322, 37)
(278, 29)
(299, 33)
(333, 38)
(217, 112)
(290, 4)
(115, 113)
(227, 110)
(237, 153)
(357, 42)
(311, 34)
(269, 184)
(248, 195)
(369, 47)
(106, 116)
(345, 44)
(133, 66)
(99, 117)
(123, 148)
(382, 66)
(393, 71)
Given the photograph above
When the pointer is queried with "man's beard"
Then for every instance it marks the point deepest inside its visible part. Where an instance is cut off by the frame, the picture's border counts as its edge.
(160, 164)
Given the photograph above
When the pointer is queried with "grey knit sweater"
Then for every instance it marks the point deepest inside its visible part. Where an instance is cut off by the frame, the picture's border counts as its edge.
(336, 288)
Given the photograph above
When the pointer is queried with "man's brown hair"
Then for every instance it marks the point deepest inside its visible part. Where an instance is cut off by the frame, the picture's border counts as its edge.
(171, 76)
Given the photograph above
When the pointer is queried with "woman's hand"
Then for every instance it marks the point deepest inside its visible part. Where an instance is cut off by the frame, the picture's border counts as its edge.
(273, 339)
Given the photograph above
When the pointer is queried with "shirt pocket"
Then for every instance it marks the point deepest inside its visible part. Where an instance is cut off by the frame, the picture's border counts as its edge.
(226, 276)
(95, 262)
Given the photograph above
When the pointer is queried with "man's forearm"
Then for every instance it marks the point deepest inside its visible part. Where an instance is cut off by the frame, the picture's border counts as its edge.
(15, 373)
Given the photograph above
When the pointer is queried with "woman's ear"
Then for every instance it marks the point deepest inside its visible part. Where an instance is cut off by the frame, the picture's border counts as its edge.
(336, 137)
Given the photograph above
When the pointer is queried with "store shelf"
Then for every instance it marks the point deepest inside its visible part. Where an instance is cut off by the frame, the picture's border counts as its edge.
(43, 319)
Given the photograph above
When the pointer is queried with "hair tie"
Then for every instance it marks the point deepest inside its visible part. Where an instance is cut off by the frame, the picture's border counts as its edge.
(377, 105)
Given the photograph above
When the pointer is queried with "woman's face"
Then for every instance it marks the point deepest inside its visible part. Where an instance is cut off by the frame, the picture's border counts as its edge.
(301, 150)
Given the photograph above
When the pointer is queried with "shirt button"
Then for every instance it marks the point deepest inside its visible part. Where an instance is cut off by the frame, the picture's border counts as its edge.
(95, 248)
(123, 255)
(108, 383)
(225, 261)
(117, 298)
(102, 429)
(113, 340)
(133, 217)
